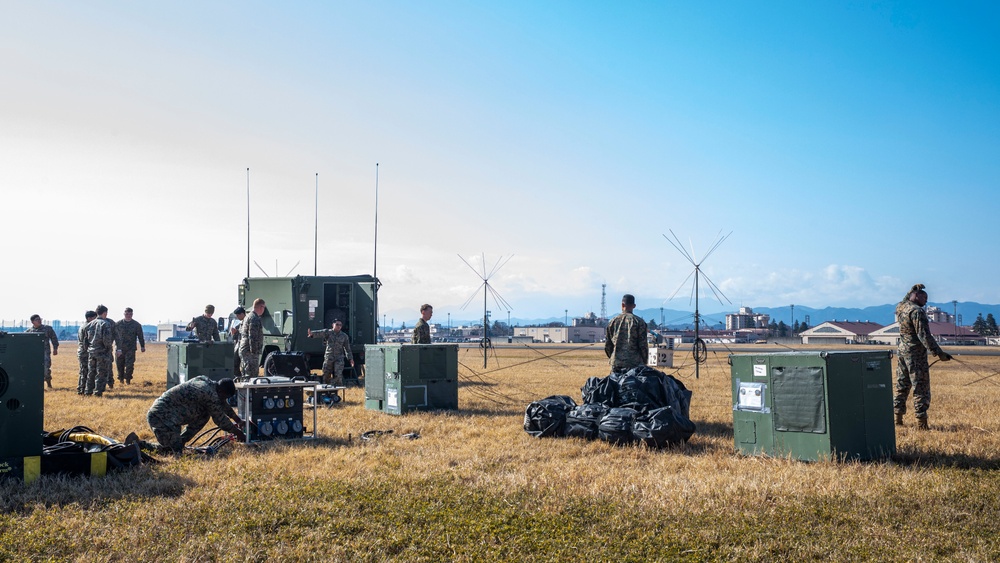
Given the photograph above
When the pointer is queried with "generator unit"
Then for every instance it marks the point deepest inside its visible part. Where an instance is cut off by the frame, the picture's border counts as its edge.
(814, 405)
(404, 377)
(271, 408)
(22, 405)
(188, 359)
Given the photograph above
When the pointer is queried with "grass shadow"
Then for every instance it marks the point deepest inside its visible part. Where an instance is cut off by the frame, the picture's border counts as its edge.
(941, 460)
(142, 482)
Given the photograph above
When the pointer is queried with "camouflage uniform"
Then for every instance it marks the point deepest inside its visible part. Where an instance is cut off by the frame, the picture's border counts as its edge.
(421, 333)
(49, 338)
(338, 348)
(912, 369)
(83, 356)
(625, 342)
(101, 338)
(126, 333)
(206, 328)
(251, 345)
(189, 404)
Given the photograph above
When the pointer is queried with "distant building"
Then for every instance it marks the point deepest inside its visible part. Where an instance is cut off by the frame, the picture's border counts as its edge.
(171, 330)
(745, 319)
(573, 334)
(590, 319)
(946, 334)
(840, 332)
(937, 315)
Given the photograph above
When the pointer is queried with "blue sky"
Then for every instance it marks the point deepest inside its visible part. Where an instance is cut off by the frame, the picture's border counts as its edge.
(850, 147)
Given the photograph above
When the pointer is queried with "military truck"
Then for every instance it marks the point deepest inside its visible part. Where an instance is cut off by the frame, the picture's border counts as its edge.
(297, 304)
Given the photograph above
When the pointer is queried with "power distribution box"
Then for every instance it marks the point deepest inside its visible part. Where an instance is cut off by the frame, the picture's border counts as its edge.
(271, 408)
(22, 404)
(187, 360)
(405, 377)
(814, 405)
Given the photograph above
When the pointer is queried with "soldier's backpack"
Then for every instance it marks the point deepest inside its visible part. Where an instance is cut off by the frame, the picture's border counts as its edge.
(547, 417)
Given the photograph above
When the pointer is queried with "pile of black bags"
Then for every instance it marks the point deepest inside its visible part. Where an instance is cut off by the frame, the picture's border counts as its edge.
(641, 405)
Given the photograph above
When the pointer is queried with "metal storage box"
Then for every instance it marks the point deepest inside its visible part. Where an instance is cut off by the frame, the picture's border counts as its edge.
(404, 377)
(814, 405)
(187, 360)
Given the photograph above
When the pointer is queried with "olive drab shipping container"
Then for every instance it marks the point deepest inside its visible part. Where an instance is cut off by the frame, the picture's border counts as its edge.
(814, 405)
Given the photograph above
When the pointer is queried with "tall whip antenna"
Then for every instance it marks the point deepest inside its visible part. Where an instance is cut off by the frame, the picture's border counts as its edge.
(316, 230)
(248, 223)
(700, 349)
(375, 258)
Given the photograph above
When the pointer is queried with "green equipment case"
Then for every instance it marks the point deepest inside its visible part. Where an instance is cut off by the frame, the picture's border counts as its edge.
(22, 407)
(187, 360)
(814, 405)
(404, 377)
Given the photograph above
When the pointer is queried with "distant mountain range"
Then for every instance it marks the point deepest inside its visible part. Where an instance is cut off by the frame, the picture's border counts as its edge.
(881, 314)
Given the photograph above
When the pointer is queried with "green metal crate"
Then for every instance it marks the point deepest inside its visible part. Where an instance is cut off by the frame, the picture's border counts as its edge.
(187, 360)
(22, 407)
(405, 377)
(814, 405)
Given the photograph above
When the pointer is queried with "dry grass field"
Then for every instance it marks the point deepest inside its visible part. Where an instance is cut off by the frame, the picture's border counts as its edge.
(476, 487)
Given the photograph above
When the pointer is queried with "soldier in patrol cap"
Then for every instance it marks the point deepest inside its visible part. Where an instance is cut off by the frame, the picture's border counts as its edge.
(49, 339)
(205, 326)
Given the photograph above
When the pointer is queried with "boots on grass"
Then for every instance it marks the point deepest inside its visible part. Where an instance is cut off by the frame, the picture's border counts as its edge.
(899, 419)
(922, 424)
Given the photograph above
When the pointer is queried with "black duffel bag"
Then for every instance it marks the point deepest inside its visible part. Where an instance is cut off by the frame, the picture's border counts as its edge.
(600, 390)
(584, 420)
(662, 427)
(616, 426)
(547, 417)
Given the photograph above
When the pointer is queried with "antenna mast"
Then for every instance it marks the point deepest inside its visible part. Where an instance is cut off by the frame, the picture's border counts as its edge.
(604, 301)
(488, 289)
(248, 222)
(700, 349)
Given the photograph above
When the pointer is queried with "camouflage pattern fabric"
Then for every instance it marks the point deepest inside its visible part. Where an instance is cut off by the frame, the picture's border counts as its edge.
(206, 328)
(251, 345)
(625, 342)
(49, 339)
(912, 368)
(338, 348)
(421, 333)
(189, 404)
(101, 339)
(83, 356)
(126, 333)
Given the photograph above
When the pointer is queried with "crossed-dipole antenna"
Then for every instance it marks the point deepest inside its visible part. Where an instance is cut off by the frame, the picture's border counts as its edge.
(700, 349)
(487, 291)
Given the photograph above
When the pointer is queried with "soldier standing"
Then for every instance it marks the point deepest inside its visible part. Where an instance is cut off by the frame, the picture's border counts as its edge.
(338, 348)
(912, 369)
(82, 353)
(234, 330)
(625, 339)
(252, 341)
(422, 331)
(205, 326)
(126, 332)
(101, 338)
(191, 404)
(49, 338)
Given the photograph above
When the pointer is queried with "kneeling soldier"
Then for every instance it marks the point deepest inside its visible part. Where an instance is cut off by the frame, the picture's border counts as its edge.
(191, 404)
